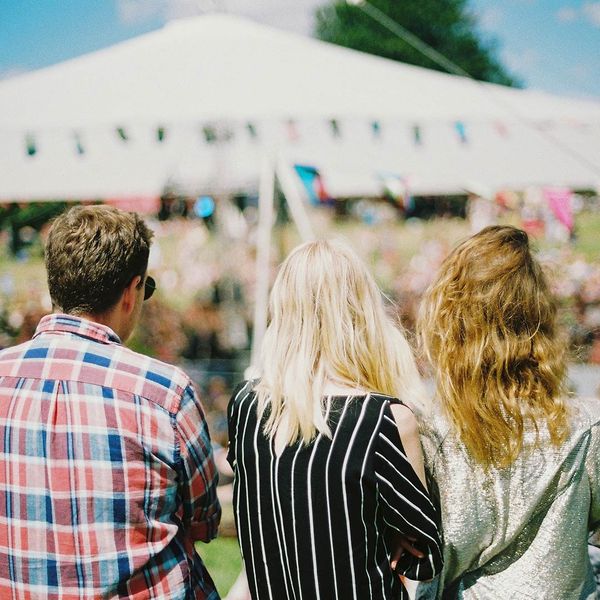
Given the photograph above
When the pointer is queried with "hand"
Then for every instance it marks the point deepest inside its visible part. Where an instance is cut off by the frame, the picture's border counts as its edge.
(402, 544)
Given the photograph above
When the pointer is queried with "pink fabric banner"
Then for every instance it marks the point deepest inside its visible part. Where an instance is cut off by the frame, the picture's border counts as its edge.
(560, 203)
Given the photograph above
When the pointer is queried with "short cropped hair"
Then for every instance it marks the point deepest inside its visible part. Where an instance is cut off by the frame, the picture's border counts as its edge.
(92, 254)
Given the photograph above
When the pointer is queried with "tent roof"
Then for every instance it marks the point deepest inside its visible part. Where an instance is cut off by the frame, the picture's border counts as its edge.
(220, 66)
(230, 70)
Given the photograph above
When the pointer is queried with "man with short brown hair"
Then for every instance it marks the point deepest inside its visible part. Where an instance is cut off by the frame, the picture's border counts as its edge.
(108, 477)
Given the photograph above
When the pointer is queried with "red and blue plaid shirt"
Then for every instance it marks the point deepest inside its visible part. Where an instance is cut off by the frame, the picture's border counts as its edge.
(106, 472)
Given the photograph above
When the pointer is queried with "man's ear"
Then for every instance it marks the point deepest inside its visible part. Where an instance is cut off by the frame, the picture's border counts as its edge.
(130, 294)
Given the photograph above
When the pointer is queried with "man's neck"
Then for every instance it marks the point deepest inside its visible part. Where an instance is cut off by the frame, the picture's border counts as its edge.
(109, 319)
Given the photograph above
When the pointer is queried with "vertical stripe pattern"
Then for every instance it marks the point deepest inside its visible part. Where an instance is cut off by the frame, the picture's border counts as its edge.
(316, 521)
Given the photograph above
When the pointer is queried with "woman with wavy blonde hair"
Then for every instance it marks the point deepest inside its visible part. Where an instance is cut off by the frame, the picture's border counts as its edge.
(329, 481)
(516, 461)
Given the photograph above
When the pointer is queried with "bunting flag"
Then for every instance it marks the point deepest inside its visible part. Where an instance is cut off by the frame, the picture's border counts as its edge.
(251, 128)
(335, 128)
(79, 148)
(461, 130)
(313, 184)
(560, 203)
(122, 133)
(210, 134)
(292, 131)
(418, 138)
(30, 145)
(501, 128)
(396, 188)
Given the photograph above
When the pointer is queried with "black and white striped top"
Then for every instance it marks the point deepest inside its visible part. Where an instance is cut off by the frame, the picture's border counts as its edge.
(317, 521)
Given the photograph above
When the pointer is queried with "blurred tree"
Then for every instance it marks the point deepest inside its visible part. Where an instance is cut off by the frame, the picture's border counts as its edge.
(29, 214)
(446, 25)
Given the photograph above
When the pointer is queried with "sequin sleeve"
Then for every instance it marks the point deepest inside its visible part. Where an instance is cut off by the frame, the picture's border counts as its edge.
(593, 470)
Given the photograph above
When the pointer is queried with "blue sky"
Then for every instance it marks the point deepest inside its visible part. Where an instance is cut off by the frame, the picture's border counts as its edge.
(554, 45)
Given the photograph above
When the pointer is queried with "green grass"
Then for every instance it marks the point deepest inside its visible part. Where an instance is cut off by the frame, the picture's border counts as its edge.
(588, 235)
(223, 561)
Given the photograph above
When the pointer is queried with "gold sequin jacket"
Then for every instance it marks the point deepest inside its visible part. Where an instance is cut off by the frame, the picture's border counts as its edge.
(517, 533)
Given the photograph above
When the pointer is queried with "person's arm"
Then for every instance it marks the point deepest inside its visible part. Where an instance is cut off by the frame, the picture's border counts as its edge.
(239, 393)
(593, 470)
(407, 507)
(201, 511)
(408, 430)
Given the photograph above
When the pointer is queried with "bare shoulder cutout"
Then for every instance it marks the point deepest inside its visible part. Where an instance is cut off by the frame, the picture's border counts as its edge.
(408, 429)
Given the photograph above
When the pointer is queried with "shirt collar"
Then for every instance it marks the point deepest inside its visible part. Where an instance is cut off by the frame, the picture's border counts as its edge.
(59, 323)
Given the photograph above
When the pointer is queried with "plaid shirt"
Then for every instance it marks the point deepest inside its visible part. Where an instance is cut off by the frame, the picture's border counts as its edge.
(106, 473)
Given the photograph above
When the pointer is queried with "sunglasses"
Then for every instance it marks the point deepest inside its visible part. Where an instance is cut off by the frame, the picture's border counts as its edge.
(149, 287)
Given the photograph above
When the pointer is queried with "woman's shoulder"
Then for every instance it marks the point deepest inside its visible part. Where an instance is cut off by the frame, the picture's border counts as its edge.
(585, 422)
(439, 441)
(585, 412)
(241, 393)
(395, 412)
(406, 422)
(400, 428)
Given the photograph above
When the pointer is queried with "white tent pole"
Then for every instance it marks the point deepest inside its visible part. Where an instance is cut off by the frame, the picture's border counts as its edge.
(266, 195)
(293, 197)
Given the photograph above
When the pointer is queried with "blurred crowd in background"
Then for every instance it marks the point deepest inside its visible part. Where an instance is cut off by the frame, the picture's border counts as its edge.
(203, 259)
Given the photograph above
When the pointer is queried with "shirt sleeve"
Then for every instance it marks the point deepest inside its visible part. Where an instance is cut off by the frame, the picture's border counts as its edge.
(406, 505)
(233, 416)
(593, 470)
(198, 475)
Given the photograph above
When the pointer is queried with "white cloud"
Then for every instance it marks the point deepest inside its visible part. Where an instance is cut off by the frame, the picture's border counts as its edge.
(591, 11)
(524, 61)
(490, 18)
(566, 14)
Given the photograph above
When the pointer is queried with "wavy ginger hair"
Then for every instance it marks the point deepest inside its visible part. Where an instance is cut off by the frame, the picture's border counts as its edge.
(488, 326)
(327, 322)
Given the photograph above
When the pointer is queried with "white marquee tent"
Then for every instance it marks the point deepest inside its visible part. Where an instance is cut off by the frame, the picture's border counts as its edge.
(224, 92)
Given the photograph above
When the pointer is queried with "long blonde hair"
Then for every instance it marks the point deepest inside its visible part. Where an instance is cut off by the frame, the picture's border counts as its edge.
(488, 326)
(327, 322)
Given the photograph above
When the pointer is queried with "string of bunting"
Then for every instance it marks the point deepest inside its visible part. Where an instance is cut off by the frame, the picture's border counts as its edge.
(212, 134)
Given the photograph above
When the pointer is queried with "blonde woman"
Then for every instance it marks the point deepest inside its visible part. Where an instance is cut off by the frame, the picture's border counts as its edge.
(329, 478)
(517, 462)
